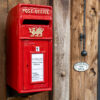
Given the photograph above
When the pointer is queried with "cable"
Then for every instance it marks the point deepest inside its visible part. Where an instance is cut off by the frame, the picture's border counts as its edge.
(84, 28)
(84, 53)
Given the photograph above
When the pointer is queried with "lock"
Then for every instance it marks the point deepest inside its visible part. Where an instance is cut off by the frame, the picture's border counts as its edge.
(29, 48)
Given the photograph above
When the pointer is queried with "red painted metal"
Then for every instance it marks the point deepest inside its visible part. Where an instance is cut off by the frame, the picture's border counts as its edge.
(21, 45)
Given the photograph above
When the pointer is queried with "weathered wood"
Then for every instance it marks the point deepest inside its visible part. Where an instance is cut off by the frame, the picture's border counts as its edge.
(3, 14)
(84, 84)
(18, 98)
(38, 96)
(61, 49)
(43, 95)
(12, 3)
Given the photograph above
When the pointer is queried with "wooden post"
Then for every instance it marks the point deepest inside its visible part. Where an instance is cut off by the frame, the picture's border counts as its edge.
(38, 96)
(61, 49)
(42, 95)
(12, 3)
(3, 14)
(84, 84)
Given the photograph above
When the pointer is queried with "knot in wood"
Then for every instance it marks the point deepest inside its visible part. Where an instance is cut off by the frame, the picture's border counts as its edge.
(63, 74)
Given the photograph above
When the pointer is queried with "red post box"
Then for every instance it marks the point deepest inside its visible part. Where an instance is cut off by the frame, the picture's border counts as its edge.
(29, 48)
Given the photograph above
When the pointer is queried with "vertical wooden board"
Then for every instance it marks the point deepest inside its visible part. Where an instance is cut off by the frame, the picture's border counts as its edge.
(92, 48)
(3, 14)
(40, 96)
(37, 96)
(84, 84)
(11, 4)
(18, 98)
(61, 49)
(77, 78)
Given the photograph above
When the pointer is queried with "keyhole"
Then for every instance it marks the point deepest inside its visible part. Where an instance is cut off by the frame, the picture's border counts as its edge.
(38, 48)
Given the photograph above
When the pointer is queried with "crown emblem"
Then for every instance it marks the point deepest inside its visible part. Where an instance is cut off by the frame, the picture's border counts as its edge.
(36, 32)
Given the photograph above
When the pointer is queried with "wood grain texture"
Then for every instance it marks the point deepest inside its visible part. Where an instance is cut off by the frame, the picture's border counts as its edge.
(3, 14)
(12, 3)
(37, 96)
(18, 98)
(42, 95)
(61, 49)
(84, 84)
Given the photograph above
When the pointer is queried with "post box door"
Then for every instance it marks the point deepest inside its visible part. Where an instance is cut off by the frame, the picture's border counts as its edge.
(35, 64)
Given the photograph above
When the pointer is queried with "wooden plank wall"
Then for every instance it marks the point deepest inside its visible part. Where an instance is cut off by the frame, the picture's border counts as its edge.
(84, 84)
(61, 49)
(3, 14)
(5, 6)
(38, 96)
